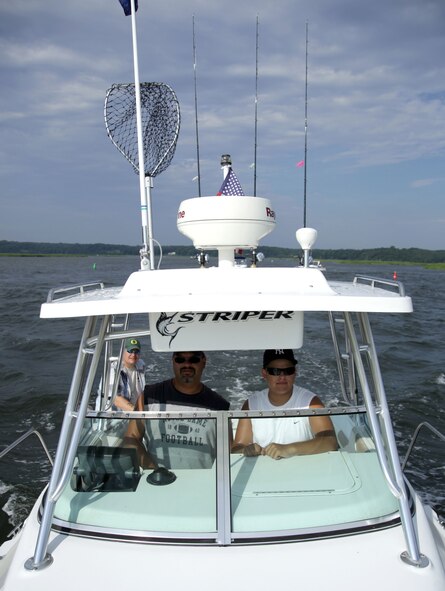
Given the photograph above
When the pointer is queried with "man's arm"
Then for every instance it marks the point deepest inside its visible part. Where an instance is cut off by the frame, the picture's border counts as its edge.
(122, 403)
(243, 442)
(135, 434)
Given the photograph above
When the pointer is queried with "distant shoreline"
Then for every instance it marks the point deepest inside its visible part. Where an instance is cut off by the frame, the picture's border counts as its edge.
(381, 255)
(40, 255)
(437, 266)
(426, 265)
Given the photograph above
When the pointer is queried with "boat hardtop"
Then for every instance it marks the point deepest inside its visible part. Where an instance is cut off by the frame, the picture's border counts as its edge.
(216, 288)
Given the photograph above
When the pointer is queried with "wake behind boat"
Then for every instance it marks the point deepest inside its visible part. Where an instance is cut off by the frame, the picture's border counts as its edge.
(107, 521)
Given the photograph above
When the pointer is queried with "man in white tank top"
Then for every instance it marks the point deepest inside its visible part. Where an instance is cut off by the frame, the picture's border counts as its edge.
(285, 436)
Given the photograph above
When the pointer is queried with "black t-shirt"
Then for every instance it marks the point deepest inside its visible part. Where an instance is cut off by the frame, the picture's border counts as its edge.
(181, 443)
(164, 393)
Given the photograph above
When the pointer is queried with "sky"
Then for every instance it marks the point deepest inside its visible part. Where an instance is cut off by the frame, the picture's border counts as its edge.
(375, 161)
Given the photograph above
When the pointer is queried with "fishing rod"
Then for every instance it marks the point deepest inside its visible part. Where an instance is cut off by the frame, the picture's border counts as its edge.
(196, 109)
(305, 132)
(256, 109)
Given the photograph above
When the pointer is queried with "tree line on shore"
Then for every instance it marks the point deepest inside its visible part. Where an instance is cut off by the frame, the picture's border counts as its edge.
(411, 255)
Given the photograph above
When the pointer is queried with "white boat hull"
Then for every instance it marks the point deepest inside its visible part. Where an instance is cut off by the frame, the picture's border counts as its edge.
(371, 560)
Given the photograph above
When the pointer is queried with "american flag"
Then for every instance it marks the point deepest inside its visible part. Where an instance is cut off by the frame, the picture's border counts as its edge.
(231, 185)
(126, 5)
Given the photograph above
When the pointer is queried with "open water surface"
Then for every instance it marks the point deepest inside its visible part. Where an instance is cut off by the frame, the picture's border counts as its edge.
(37, 359)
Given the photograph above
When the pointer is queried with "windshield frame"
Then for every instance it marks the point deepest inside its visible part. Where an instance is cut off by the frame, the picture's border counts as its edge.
(225, 533)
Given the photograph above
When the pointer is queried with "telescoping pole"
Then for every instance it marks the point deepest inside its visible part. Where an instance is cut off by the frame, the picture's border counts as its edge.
(145, 184)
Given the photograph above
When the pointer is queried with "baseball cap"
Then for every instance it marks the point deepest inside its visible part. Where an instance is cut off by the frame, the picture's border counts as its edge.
(131, 344)
(273, 354)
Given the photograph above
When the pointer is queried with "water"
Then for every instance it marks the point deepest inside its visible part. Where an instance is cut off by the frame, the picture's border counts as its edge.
(37, 360)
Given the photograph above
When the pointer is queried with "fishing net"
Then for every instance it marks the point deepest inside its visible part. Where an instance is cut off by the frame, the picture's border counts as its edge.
(160, 124)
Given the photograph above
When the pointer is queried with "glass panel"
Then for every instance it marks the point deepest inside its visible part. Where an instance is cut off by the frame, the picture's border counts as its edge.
(163, 482)
(312, 491)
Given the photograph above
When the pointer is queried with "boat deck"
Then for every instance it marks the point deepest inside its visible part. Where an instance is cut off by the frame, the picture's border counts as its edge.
(306, 493)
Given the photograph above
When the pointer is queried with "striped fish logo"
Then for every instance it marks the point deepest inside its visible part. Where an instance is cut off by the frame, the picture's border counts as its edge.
(165, 325)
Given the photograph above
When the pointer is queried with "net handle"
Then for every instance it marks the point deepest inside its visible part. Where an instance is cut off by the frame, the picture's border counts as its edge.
(147, 250)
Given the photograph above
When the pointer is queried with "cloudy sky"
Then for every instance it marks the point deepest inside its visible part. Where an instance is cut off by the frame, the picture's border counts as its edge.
(376, 116)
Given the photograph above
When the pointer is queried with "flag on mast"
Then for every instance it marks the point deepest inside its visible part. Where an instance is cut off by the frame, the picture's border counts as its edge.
(126, 5)
(300, 164)
(231, 185)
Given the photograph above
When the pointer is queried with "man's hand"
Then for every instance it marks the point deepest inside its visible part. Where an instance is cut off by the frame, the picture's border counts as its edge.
(277, 451)
(252, 450)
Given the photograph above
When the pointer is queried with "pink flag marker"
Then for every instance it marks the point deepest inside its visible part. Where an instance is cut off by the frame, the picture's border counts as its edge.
(300, 164)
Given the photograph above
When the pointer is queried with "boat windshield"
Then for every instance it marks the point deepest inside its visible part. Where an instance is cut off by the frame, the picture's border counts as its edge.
(180, 481)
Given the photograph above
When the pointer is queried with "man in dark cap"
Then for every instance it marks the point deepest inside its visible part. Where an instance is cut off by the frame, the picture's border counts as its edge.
(285, 436)
(131, 377)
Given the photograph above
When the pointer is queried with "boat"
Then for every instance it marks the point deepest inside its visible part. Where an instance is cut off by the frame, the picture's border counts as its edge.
(344, 519)
(102, 523)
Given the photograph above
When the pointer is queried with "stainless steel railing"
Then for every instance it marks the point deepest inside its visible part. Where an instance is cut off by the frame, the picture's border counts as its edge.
(419, 427)
(22, 438)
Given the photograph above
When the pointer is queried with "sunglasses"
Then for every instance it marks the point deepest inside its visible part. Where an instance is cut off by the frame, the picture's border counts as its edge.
(133, 351)
(193, 359)
(280, 371)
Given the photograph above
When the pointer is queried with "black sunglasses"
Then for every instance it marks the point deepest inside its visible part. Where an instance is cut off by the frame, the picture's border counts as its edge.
(192, 359)
(135, 351)
(280, 371)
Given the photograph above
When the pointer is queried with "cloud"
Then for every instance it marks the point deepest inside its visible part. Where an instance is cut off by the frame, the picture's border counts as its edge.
(376, 105)
(40, 54)
(419, 183)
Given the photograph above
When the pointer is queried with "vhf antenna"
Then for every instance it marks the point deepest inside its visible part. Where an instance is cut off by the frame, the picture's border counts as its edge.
(256, 109)
(196, 108)
(305, 134)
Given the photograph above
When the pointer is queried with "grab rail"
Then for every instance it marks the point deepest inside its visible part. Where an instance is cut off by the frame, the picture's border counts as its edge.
(374, 281)
(22, 438)
(414, 437)
(77, 289)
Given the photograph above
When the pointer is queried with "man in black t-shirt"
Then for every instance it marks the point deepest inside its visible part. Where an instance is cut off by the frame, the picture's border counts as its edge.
(179, 443)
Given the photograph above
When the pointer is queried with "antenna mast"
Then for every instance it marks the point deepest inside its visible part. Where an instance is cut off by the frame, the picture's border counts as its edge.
(196, 109)
(256, 108)
(305, 132)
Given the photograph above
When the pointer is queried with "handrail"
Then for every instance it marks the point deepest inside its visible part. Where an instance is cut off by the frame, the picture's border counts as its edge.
(412, 554)
(375, 281)
(117, 336)
(32, 431)
(233, 414)
(41, 558)
(81, 288)
(373, 419)
(414, 437)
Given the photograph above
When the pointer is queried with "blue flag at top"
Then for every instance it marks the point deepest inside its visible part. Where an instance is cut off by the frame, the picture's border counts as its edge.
(126, 5)
(231, 185)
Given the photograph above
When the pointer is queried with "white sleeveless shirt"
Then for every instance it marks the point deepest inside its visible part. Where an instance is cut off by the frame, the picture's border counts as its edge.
(283, 429)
